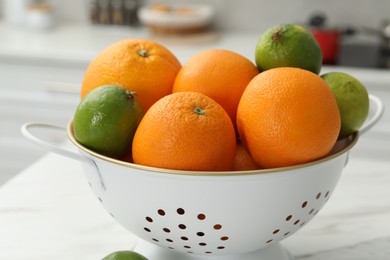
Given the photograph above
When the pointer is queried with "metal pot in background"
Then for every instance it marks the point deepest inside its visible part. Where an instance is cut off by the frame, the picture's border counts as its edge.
(355, 46)
(381, 35)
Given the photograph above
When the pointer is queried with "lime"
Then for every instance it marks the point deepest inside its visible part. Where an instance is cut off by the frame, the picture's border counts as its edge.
(106, 119)
(352, 100)
(124, 255)
(288, 45)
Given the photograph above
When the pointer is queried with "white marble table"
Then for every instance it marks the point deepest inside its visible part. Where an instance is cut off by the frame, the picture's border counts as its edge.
(48, 212)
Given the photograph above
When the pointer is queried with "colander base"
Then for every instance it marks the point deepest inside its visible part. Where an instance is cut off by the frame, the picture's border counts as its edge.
(153, 252)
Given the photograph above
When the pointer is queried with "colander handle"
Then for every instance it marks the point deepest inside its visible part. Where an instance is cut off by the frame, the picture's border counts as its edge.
(376, 114)
(54, 147)
(49, 145)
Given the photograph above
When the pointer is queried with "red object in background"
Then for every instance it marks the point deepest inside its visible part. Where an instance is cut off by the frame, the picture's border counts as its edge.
(329, 41)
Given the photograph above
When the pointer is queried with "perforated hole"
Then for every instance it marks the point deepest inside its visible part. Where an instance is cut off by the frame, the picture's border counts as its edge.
(182, 226)
(217, 227)
(201, 216)
(327, 195)
(147, 229)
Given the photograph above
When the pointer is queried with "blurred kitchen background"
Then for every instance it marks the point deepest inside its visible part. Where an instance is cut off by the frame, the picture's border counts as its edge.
(245, 15)
(45, 46)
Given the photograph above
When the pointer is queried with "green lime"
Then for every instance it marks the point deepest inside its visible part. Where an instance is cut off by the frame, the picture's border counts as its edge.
(106, 119)
(124, 255)
(352, 100)
(288, 45)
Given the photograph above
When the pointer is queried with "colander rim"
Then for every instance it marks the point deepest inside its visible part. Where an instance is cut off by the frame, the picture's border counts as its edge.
(352, 141)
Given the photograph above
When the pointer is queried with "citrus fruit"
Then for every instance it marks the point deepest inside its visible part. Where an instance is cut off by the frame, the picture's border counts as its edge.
(220, 74)
(138, 65)
(106, 119)
(288, 45)
(352, 99)
(243, 161)
(287, 116)
(185, 131)
(125, 255)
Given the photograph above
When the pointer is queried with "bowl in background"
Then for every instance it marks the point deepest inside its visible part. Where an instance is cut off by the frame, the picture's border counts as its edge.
(176, 19)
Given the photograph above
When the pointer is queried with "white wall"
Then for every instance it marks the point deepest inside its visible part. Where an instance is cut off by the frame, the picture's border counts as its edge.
(256, 15)
(248, 14)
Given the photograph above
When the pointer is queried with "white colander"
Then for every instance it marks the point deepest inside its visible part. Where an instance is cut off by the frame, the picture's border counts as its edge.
(211, 215)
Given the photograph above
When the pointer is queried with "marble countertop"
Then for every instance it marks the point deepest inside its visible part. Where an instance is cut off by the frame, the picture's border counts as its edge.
(79, 44)
(74, 45)
(49, 212)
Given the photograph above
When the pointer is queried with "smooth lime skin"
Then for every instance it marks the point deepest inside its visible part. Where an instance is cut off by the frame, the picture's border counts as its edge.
(288, 45)
(124, 255)
(106, 119)
(352, 100)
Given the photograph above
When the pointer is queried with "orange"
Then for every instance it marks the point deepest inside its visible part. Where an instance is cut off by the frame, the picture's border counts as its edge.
(138, 65)
(288, 116)
(185, 131)
(243, 161)
(219, 74)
